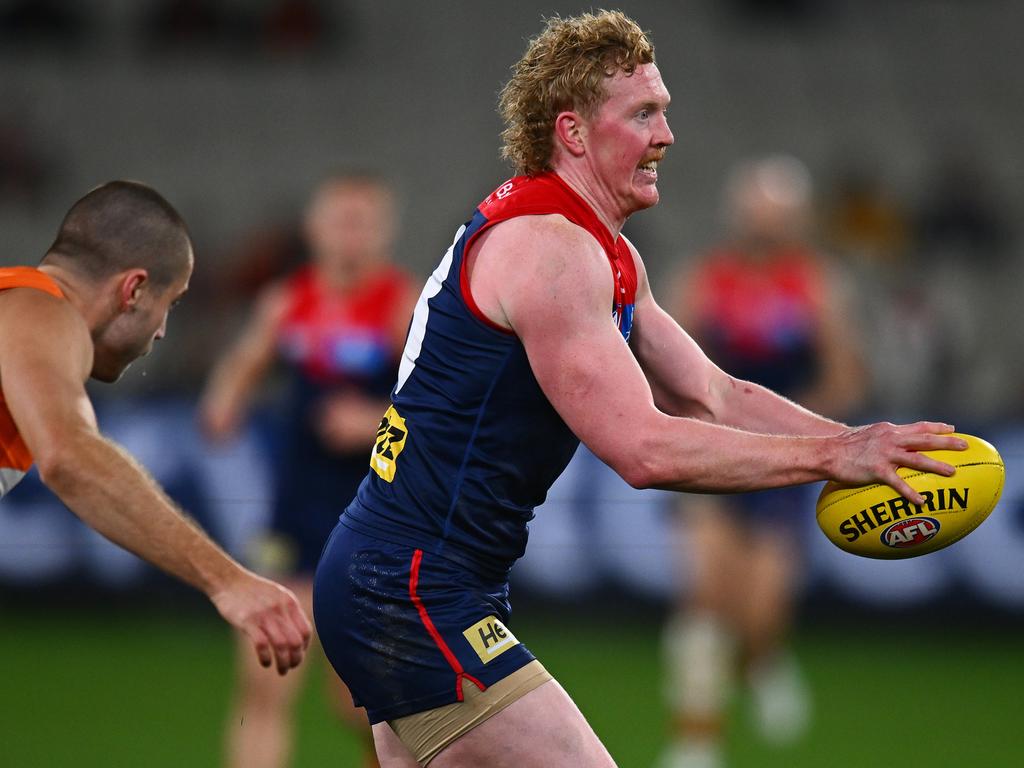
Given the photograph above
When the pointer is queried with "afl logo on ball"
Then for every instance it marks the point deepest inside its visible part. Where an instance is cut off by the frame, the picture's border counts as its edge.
(910, 532)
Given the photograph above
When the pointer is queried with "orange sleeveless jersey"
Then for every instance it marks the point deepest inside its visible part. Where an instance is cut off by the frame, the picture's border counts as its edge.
(15, 458)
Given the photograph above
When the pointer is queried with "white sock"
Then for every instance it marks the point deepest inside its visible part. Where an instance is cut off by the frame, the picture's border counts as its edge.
(781, 699)
(699, 652)
(691, 754)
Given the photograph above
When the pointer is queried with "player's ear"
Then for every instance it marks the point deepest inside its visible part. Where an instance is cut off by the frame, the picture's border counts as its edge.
(569, 132)
(130, 286)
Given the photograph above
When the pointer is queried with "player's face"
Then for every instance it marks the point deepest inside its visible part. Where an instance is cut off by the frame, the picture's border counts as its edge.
(132, 333)
(349, 224)
(627, 137)
(768, 215)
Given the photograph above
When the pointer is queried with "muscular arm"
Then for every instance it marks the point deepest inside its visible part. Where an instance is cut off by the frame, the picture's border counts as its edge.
(689, 384)
(45, 357)
(550, 283)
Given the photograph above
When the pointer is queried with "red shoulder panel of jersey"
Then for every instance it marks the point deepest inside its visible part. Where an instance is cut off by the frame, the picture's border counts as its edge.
(330, 333)
(733, 284)
(372, 302)
(548, 193)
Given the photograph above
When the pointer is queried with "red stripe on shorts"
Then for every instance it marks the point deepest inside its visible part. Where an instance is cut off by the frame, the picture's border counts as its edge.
(453, 661)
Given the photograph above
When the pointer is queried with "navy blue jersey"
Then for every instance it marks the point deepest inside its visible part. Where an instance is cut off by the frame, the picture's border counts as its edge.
(470, 444)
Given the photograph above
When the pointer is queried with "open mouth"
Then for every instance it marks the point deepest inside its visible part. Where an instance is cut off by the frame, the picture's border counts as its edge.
(649, 168)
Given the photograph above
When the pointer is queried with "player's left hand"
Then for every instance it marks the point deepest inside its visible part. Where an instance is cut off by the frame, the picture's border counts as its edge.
(270, 616)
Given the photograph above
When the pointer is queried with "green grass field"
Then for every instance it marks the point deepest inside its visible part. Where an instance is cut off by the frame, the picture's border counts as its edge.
(123, 689)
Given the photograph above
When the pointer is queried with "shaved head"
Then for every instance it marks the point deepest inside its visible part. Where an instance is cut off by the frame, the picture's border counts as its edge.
(123, 225)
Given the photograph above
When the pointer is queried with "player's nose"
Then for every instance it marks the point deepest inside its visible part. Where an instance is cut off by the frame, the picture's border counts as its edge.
(663, 134)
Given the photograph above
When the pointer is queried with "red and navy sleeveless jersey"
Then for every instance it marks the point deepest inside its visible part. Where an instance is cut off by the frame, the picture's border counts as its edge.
(470, 444)
(333, 342)
(760, 319)
(337, 339)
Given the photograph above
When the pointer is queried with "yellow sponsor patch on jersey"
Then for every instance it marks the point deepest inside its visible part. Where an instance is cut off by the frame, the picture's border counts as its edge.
(490, 638)
(391, 436)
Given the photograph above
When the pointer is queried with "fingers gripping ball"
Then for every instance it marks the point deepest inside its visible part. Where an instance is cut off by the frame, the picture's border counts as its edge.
(875, 521)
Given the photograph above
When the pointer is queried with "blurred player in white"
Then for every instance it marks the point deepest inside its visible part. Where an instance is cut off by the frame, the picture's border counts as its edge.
(766, 309)
(337, 326)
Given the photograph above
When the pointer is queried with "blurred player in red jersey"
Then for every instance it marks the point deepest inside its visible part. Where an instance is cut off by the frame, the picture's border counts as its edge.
(99, 300)
(337, 325)
(765, 308)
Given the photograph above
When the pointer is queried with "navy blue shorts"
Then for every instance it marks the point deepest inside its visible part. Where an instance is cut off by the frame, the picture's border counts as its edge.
(405, 629)
(788, 507)
(786, 511)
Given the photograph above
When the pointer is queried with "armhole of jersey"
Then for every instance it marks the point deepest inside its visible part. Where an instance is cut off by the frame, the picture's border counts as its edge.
(467, 294)
(632, 265)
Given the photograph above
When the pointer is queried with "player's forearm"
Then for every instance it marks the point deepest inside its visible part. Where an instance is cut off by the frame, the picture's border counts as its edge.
(684, 454)
(754, 408)
(686, 383)
(113, 494)
(233, 382)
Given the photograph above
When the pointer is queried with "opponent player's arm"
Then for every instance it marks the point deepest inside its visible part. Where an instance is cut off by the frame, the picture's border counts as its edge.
(230, 389)
(550, 283)
(45, 357)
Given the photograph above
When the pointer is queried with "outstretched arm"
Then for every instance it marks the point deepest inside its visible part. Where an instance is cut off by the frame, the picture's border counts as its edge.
(687, 383)
(658, 335)
(549, 281)
(45, 356)
(229, 391)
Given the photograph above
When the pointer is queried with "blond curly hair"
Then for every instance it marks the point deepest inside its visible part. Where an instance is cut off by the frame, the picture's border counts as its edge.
(565, 68)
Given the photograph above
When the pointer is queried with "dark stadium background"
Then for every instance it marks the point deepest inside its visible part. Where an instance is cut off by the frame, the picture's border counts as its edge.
(234, 110)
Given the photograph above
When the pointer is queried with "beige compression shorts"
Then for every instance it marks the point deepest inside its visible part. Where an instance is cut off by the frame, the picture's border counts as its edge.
(426, 733)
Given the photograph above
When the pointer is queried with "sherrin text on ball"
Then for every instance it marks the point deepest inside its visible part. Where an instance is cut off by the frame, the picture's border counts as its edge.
(875, 521)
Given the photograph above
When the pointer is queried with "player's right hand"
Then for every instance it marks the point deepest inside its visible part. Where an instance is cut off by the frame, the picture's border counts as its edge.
(873, 453)
(270, 616)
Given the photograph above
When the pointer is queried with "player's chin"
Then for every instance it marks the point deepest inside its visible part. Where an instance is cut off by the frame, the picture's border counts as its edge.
(645, 185)
(646, 195)
(108, 375)
(111, 371)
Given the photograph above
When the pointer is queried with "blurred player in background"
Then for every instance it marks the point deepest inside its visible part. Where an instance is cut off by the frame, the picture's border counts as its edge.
(337, 325)
(99, 300)
(765, 308)
(536, 330)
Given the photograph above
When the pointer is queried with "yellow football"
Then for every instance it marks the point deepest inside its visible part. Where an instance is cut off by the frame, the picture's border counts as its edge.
(875, 521)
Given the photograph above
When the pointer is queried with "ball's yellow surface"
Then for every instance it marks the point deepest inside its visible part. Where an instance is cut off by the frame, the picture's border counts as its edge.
(875, 521)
